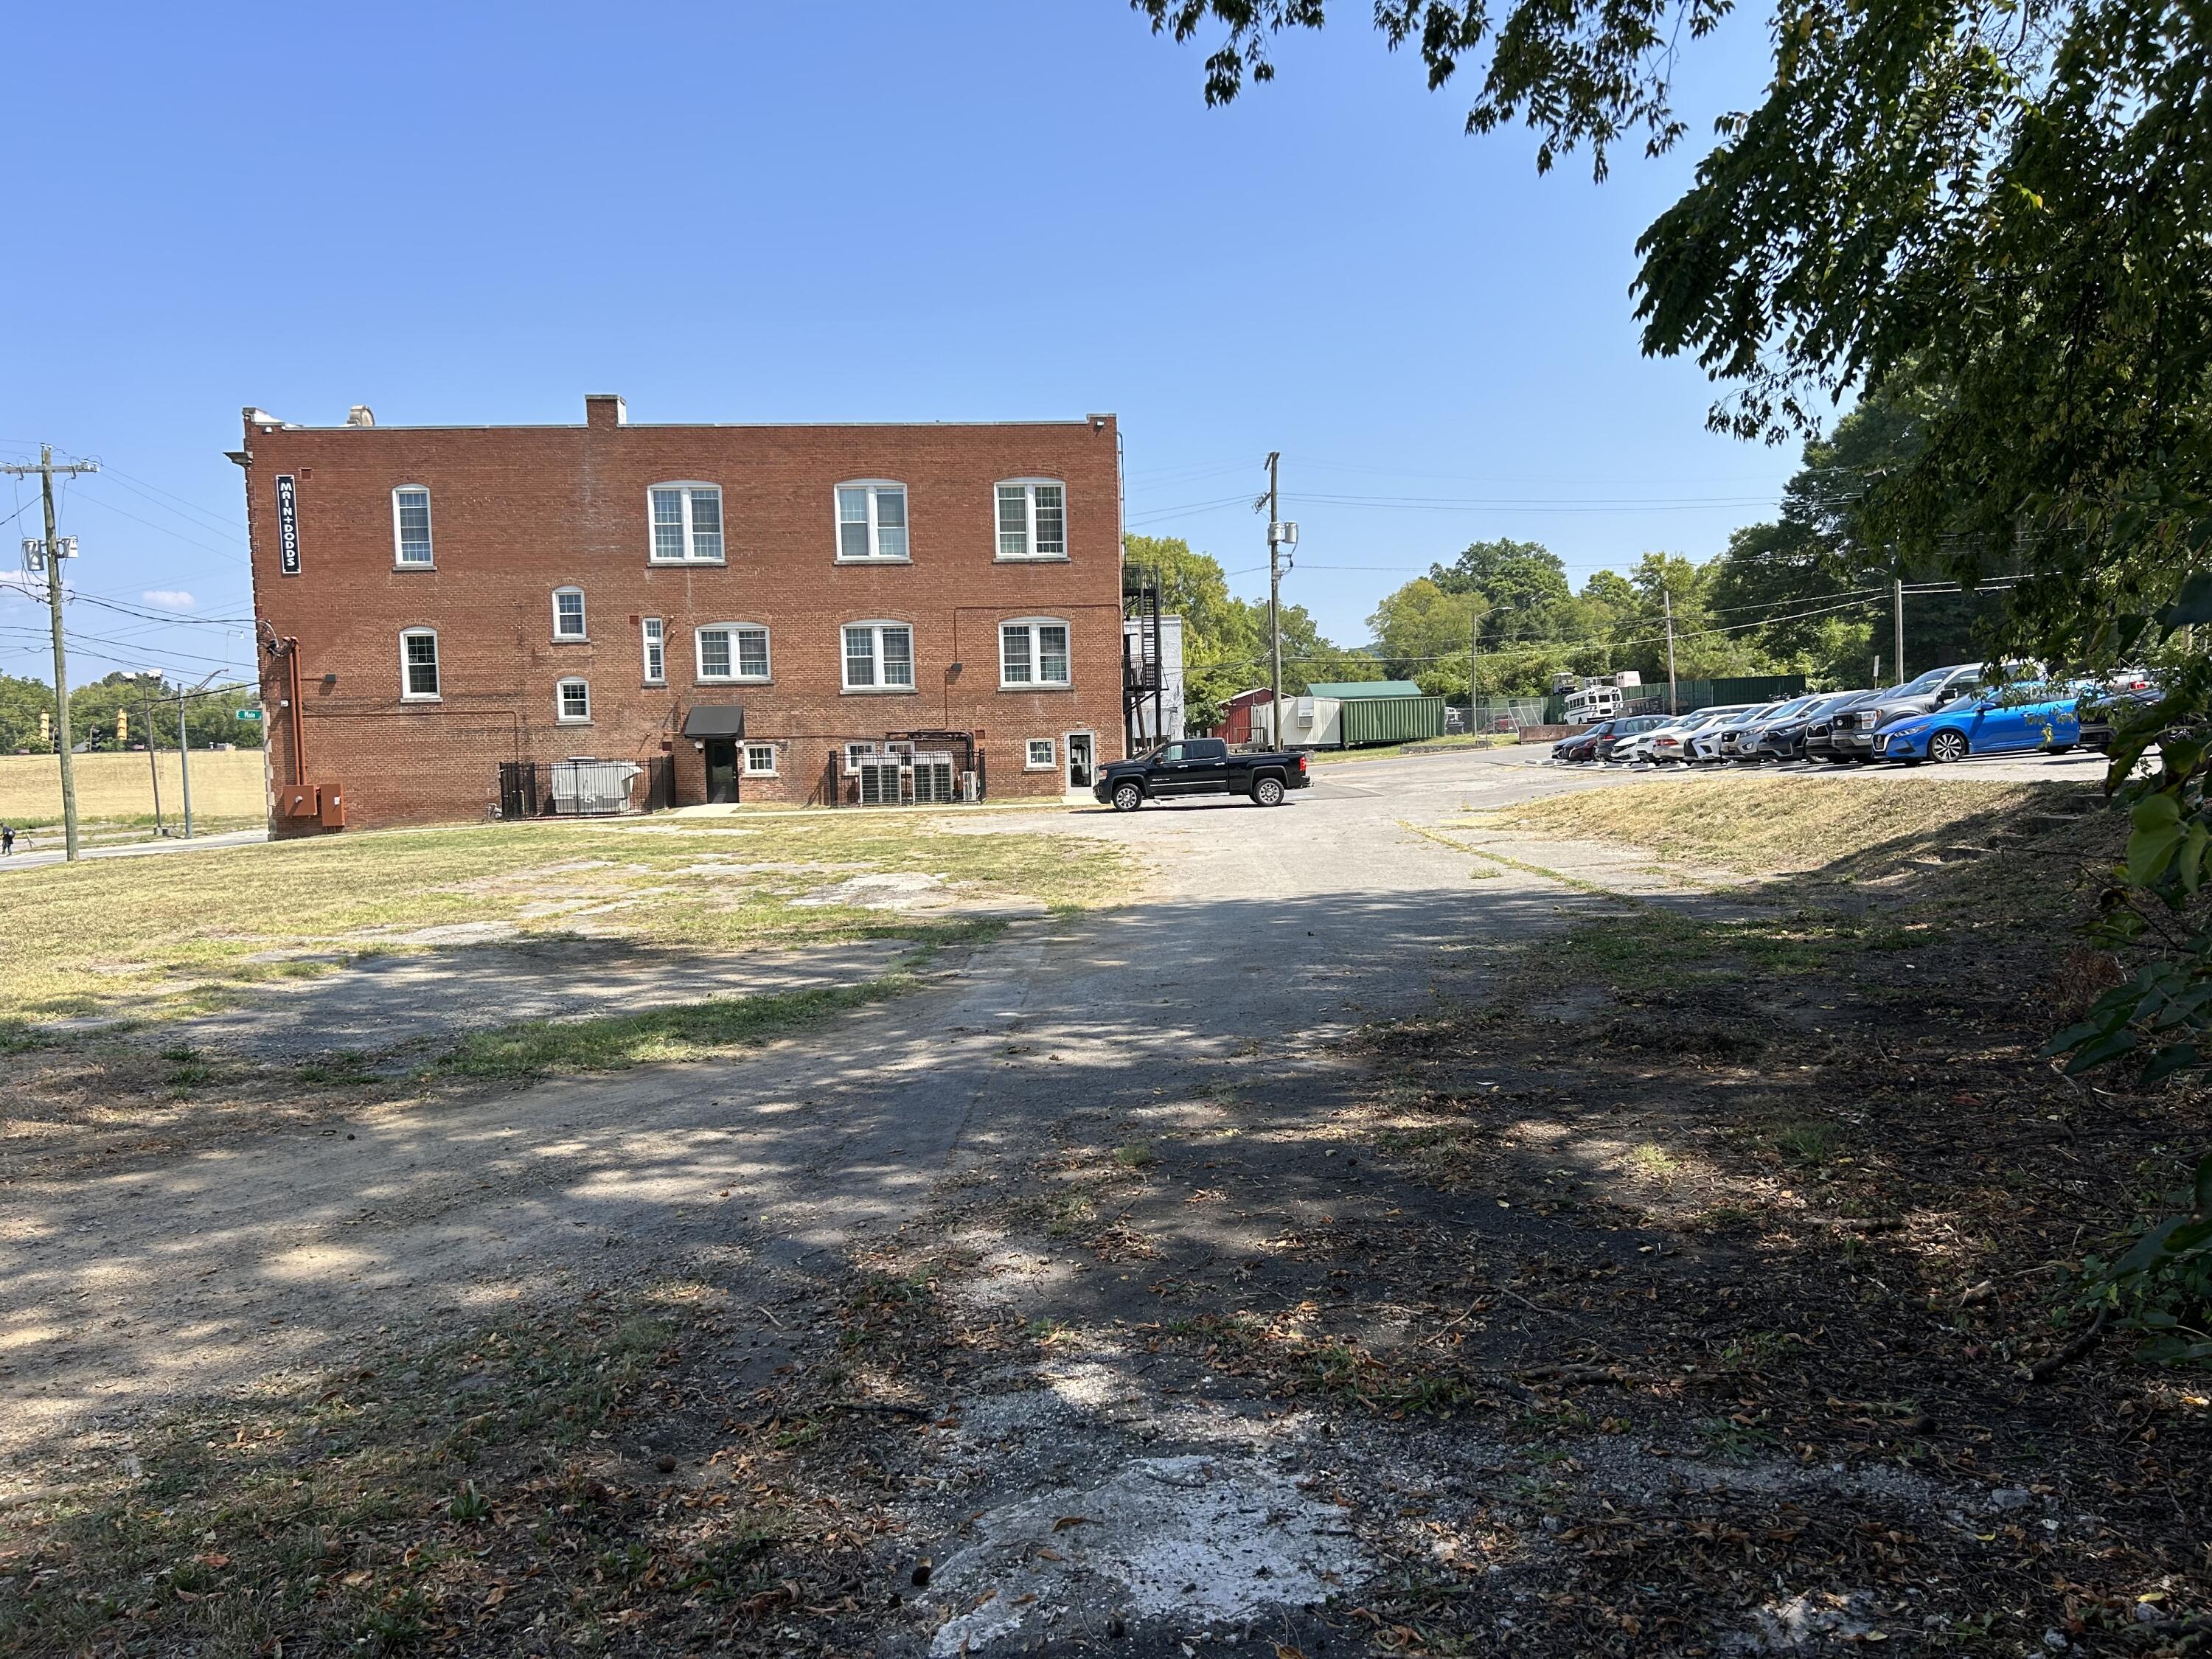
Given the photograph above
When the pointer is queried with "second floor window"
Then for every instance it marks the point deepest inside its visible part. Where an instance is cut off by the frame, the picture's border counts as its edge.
(733, 651)
(687, 524)
(418, 664)
(878, 657)
(573, 702)
(1033, 652)
(872, 521)
(568, 613)
(1033, 520)
(656, 651)
(410, 525)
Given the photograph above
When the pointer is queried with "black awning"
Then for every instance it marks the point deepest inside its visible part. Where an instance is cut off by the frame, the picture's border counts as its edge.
(715, 719)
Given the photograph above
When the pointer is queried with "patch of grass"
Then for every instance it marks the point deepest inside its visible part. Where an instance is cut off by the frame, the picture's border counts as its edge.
(163, 936)
(367, 1508)
(1808, 1144)
(539, 1048)
(1136, 1155)
(1760, 824)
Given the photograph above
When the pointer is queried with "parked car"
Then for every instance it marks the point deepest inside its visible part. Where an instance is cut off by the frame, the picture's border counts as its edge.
(1201, 766)
(1626, 731)
(1671, 742)
(2100, 714)
(1582, 745)
(1732, 739)
(1787, 736)
(2003, 723)
(1851, 729)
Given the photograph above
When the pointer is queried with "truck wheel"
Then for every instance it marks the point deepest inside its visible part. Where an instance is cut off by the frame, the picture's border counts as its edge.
(1269, 792)
(1127, 798)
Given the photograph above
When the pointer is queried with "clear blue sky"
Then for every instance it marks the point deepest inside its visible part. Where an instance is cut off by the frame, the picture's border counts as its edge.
(883, 210)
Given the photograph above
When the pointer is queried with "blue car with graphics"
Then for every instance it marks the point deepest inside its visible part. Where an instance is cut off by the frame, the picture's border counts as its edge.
(2013, 721)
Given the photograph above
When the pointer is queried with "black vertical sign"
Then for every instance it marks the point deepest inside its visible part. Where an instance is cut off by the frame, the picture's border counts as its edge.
(287, 525)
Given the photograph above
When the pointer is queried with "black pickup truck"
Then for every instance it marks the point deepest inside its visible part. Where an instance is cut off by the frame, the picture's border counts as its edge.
(1199, 766)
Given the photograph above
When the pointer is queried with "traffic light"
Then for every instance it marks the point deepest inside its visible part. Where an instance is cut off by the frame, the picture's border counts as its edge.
(122, 729)
(46, 730)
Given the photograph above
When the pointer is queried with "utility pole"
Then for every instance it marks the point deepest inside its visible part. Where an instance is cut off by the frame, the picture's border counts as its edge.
(1274, 605)
(152, 752)
(52, 554)
(184, 748)
(1474, 660)
(1674, 701)
(1897, 614)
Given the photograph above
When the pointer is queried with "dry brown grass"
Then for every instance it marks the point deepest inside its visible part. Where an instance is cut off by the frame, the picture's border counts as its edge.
(1762, 824)
(226, 784)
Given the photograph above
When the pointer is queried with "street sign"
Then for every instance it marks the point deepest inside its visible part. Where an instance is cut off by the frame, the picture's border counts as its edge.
(249, 714)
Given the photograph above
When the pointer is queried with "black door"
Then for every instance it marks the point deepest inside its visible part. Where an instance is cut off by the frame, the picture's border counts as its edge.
(721, 770)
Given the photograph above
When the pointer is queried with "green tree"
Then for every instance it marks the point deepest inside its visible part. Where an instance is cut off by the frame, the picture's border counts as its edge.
(1421, 630)
(21, 703)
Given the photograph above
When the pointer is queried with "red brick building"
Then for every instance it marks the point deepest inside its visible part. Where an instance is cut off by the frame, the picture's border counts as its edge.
(743, 612)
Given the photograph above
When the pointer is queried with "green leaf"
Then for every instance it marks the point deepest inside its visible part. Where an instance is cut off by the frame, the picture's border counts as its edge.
(2156, 811)
(2204, 1185)
(2179, 1057)
(2149, 851)
(2106, 1048)
(2193, 604)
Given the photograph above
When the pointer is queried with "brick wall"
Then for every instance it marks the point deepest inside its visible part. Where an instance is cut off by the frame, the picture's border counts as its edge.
(517, 512)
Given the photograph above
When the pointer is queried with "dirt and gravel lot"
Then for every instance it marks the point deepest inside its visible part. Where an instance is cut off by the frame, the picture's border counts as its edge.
(1411, 1228)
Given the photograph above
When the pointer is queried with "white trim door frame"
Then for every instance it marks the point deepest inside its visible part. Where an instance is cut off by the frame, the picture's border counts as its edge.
(1090, 741)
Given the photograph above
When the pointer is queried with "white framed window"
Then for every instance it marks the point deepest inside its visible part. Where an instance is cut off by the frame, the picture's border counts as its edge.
(418, 665)
(871, 521)
(1032, 518)
(568, 613)
(1033, 651)
(732, 651)
(571, 703)
(687, 523)
(879, 656)
(655, 633)
(1042, 751)
(411, 527)
(857, 753)
(760, 760)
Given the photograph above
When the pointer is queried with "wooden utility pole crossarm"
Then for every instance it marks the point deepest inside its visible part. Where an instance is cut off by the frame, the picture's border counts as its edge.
(50, 550)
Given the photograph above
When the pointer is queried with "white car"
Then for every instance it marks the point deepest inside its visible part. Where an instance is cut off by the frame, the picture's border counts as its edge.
(1704, 748)
(1670, 743)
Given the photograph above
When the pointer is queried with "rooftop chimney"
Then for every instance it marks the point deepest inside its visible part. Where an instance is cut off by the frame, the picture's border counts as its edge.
(361, 414)
(604, 408)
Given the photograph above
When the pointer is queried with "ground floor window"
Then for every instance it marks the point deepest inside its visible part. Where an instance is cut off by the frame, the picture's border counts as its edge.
(1041, 754)
(574, 701)
(760, 760)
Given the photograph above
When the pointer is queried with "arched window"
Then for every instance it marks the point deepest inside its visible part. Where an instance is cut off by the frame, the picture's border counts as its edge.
(1033, 653)
(568, 613)
(1032, 518)
(730, 652)
(411, 527)
(871, 521)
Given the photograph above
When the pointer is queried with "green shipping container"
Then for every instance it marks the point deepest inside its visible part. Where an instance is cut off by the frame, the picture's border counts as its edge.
(1391, 720)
